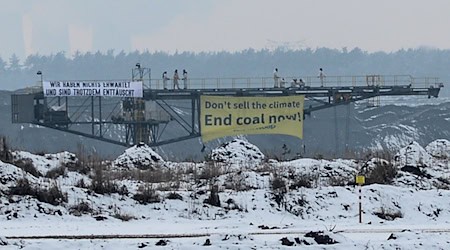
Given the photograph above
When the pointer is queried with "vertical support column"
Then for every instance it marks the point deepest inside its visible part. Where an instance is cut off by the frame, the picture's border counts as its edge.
(140, 128)
(336, 133)
(127, 134)
(92, 115)
(67, 111)
(347, 129)
(100, 115)
(198, 114)
(193, 115)
(45, 108)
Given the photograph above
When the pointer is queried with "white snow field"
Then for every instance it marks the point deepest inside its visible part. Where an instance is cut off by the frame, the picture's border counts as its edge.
(242, 200)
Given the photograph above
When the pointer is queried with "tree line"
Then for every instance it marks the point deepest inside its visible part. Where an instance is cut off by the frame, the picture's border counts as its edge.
(16, 73)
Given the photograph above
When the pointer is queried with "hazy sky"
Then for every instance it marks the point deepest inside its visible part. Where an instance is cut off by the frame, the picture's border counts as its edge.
(50, 26)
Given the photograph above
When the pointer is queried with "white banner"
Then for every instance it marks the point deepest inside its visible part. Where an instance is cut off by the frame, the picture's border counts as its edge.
(94, 88)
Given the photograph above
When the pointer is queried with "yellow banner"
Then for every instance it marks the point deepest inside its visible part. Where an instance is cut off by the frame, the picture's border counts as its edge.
(225, 116)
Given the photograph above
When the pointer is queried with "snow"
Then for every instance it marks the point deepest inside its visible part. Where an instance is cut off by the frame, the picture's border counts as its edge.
(45, 162)
(439, 148)
(140, 156)
(9, 174)
(419, 169)
(264, 203)
(237, 151)
(413, 155)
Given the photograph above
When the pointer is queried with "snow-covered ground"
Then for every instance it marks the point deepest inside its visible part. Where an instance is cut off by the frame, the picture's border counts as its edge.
(238, 200)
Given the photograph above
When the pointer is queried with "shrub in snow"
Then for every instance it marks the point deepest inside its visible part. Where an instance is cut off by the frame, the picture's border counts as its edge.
(231, 205)
(27, 166)
(80, 208)
(52, 195)
(207, 242)
(286, 242)
(413, 155)
(101, 183)
(388, 213)
(302, 180)
(22, 187)
(321, 238)
(338, 181)
(123, 190)
(146, 194)
(439, 149)
(237, 181)
(378, 171)
(174, 196)
(123, 216)
(213, 198)
(139, 156)
(3, 241)
(81, 183)
(56, 172)
(5, 154)
(278, 183)
(9, 174)
(159, 243)
(237, 151)
(210, 170)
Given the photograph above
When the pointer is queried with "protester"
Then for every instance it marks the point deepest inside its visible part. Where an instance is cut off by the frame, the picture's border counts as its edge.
(175, 80)
(165, 79)
(185, 78)
(321, 76)
(276, 78)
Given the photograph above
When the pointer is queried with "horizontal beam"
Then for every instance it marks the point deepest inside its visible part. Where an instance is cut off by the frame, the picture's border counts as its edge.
(150, 94)
(83, 134)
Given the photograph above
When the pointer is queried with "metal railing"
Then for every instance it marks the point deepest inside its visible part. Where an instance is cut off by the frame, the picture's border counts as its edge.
(268, 82)
(309, 81)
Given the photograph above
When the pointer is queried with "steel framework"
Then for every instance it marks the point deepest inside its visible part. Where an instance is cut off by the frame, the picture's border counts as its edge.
(128, 121)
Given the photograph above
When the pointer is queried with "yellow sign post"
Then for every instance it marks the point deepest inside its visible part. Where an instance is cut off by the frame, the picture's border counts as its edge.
(360, 180)
(226, 116)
